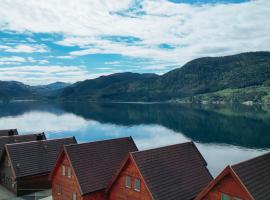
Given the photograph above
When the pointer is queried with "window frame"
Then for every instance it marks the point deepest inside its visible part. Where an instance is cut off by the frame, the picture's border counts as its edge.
(69, 173)
(228, 197)
(63, 170)
(74, 193)
(58, 189)
(128, 181)
(138, 181)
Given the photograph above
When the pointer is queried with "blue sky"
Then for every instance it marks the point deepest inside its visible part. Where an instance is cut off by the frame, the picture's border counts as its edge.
(65, 40)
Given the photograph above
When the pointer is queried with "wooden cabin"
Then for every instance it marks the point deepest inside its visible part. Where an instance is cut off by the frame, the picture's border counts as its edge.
(25, 167)
(18, 139)
(249, 180)
(83, 171)
(176, 172)
(8, 132)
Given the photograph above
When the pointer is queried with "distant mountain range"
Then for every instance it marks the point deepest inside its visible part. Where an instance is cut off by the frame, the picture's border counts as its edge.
(238, 78)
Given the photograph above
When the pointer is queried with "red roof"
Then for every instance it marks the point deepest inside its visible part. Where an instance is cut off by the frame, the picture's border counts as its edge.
(94, 163)
(172, 172)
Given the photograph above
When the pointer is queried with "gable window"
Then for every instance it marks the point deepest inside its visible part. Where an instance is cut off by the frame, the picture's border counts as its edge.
(224, 197)
(74, 196)
(69, 172)
(128, 181)
(58, 189)
(63, 170)
(137, 185)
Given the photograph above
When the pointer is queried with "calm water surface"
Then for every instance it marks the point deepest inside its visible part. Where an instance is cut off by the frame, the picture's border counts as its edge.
(224, 135)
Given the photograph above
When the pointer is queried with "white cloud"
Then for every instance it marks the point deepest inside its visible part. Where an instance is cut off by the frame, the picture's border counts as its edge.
(17, 60)
(44, 122)
(25, 48)
(193, 30)
(39, 74)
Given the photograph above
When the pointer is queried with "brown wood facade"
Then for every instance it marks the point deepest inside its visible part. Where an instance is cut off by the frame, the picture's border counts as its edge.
(23, 185)
(119, 190)
(65, 186)
(226, 186)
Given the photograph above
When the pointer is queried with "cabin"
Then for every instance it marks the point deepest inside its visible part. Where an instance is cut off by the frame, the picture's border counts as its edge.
(8, 132)
(83, 171)
(249, 180)
(167, 173)
(19, 138)
(25, 167)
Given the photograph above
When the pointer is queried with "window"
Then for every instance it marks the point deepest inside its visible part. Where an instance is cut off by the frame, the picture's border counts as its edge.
(74, 196)
(58, 189)
(63, 170)
(128, 181)
(225, 197)
(69, 172)
(137, 185)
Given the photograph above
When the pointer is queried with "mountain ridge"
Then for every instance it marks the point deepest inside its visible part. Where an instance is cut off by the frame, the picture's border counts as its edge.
(206, 76)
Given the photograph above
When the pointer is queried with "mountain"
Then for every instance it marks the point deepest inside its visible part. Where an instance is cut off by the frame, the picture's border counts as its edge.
(50, 89)
(237, 78)
(200, 76)
(14, 89)
(115, 87)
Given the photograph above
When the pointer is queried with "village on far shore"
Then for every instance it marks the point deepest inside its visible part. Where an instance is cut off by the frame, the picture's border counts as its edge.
(115, 169)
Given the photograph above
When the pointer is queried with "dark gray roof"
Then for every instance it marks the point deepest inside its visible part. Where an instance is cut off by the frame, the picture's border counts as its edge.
(255, 175)
(19, 138)
(38, 157)
(8, 132)
(173, 172)
(95, 163)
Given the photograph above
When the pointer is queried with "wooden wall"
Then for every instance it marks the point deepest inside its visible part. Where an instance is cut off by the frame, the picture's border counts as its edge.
(6, 175)
(31, 184)
(70, 185)
(118, 190)
(229, 186)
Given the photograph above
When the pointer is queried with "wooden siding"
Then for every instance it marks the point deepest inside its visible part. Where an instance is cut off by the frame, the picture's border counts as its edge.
(229, 186)
(70, 185)
(118, 190)
(6, 174)
(31, 184)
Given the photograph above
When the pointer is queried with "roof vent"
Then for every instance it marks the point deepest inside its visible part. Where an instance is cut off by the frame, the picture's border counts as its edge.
(40, 136)
(18, 165)
(10, 132)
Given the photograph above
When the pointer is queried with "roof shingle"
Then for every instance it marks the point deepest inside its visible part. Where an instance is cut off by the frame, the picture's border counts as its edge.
(31, 158)
(8, 132)
(173, 172)
(95, 163)
(18, 139)
(255, 175)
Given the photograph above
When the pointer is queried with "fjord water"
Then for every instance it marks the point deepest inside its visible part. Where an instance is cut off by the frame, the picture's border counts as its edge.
(223, 134)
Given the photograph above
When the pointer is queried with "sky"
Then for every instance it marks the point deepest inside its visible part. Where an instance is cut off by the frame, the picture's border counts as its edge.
(65, 40)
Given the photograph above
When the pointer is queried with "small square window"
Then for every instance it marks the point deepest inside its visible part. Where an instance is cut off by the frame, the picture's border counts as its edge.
(58, 189)
(69, 172)
(128, 181)
(225, 197)
(137, 185)
(63, 170)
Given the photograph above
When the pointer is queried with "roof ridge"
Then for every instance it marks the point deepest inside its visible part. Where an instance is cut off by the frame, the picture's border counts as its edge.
(30, 134)
(167, 146)
(40, 141)
(97, 141)
(251, 159)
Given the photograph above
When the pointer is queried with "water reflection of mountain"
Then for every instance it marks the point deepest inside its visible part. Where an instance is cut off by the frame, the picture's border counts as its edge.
(241, 126)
